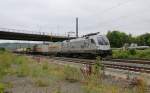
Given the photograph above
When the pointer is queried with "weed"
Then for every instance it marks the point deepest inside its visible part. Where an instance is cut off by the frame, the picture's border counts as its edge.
(139, 84)
(45, 66)
(23, 70)
(36, 72)
(71, 74)
(57, 90)
(98, 66)
(41, 82)
(5, 63)
(44, 74)
(20, 60)
(2, 88)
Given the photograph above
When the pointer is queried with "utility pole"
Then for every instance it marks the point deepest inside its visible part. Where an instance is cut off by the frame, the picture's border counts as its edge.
(43, 36)
(77, 27)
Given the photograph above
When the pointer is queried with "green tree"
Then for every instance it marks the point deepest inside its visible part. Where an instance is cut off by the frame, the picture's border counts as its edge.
(143, 39)
(118, 39)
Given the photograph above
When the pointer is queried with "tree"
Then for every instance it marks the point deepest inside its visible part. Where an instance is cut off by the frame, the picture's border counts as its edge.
(143, 39)
(118, 39)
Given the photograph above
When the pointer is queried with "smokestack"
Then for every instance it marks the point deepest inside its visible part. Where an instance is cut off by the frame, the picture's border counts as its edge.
(77, 27)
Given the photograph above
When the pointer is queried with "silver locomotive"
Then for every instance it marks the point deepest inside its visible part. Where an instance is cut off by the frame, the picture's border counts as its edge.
(90, 45)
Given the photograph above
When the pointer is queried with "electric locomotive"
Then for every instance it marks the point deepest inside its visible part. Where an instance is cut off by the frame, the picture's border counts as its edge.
(90, 45)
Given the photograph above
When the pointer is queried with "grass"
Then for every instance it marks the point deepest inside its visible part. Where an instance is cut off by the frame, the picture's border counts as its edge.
(44, 74)
(2, 87)
(41, 82)
(132, 54)
(72, 74)
(95, 83)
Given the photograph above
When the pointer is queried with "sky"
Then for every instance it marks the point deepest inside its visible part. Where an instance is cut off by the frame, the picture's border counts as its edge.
(58, 16)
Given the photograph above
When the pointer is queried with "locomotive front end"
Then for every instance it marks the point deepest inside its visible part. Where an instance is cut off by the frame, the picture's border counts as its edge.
(103, 46)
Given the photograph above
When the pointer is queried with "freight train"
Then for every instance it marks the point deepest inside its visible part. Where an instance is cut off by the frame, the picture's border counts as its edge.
(90, 45)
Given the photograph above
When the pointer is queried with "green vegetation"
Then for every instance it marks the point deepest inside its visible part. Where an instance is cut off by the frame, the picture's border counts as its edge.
(41, 82)
(72, 74)
(2, 49)
(140, 54)
(44, 74)
(96, 84)
(118, 39)
(2, 87)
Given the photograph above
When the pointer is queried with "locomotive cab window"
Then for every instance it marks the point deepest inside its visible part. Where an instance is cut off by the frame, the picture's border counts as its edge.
(102, 41)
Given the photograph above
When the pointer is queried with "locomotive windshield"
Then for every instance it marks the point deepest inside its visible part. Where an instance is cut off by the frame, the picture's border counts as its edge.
(102, 41)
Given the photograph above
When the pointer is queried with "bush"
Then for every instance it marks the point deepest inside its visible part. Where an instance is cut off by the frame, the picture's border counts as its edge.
(141, 54)
(132, 51)
(2, 49)
(120, 54)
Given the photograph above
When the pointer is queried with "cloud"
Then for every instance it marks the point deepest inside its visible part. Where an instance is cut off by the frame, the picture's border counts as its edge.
(58, 16)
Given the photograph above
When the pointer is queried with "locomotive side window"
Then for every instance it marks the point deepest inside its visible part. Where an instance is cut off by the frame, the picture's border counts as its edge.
(92, 41)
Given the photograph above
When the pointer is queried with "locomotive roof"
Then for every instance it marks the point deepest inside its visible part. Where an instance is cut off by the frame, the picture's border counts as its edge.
(82, 38)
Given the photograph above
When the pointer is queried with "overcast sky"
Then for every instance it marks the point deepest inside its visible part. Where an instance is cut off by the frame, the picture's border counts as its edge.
(58, 16)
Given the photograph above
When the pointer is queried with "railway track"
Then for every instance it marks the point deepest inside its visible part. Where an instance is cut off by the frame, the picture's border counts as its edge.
(142, 66)
(136, 61)
(136, 66)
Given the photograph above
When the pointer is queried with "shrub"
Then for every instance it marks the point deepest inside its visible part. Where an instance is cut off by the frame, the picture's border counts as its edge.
(132, 51)
(141, 54)
(2, 49)
(124, 54)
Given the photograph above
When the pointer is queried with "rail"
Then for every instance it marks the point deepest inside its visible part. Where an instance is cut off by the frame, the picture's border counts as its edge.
(142, 66)
(135, 66)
